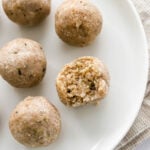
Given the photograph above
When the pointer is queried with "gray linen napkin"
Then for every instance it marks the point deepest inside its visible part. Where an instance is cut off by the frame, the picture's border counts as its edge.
(141, 127)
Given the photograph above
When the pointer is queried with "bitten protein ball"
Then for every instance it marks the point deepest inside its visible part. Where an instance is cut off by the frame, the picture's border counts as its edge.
(82, 81)
(78, 22)
(22, 63)
(26, 12)
(35, 122)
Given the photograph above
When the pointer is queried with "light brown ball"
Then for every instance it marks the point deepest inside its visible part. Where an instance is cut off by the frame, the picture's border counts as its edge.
(82, 81)
(78, 22)
(26, 12)
(35, 122)
(22, 63)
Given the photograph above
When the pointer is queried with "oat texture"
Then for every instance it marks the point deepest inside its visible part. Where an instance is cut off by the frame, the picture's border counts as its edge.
(84, 80)
(26, 12)
(22, 63)
(35, 122)
(78, 22)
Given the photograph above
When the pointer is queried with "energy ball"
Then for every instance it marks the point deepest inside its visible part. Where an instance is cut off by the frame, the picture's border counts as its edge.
(26, 12)
(22, 63)
(82, 81)
(35, 122)
(78, 22)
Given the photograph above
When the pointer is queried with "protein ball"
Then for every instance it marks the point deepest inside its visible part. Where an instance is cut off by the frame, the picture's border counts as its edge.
(78, 22)
(26, 12)
(22, 63)
(82, 81)
(35, 122)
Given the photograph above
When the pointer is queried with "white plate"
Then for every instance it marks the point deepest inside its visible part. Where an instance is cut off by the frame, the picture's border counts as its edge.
(122, 46)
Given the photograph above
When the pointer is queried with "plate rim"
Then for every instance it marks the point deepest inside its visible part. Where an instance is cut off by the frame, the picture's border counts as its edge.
(145, 74)
(147, 65)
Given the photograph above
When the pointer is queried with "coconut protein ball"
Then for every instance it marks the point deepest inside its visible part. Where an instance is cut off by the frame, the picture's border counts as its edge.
(35, 122)
(82, 81)
(78, 22)
(26, 12)
(22, 63)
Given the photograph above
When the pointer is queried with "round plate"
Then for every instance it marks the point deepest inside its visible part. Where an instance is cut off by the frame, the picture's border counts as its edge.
(121, 46)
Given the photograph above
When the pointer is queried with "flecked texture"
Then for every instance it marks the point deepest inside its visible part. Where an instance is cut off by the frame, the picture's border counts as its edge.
(35, 122)
(26, 12)
(22, 63)
(78, 22)
(83, 81)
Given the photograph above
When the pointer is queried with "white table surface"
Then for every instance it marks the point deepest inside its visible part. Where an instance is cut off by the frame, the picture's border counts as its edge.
(144, 146)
